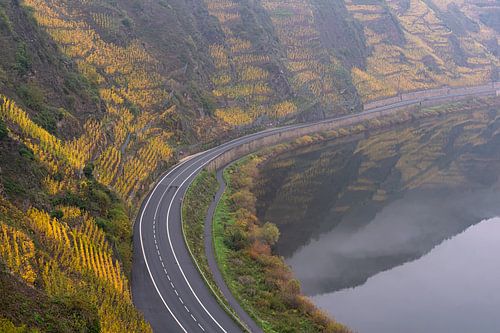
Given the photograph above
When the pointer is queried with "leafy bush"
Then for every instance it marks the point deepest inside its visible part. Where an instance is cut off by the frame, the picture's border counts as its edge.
(261, 280)
(26, 153)
(270, 233)
(23, 59)
(48, 117)
(88, 171)
(235, 237)
(32, 96)
(6, 326)
(5, 23)
(57, 213)
(3, 130)
(78, 83)
(12, 187)
(101, 200)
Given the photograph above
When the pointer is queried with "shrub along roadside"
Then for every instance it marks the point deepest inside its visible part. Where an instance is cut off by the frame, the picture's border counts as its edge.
(3, 130)
(260, 281)
(194, 210)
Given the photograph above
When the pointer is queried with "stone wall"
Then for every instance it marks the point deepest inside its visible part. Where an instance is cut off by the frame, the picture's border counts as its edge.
(430, 93)
(420, 99)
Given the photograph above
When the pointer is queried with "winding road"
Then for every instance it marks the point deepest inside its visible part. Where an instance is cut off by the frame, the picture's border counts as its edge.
(166, 284)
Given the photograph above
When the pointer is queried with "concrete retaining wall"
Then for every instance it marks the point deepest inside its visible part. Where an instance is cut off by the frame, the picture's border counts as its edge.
(422, 94)
(382, 102)
(333, 124)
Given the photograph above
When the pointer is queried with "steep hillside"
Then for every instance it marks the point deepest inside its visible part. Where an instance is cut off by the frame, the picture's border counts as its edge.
(64, 238)
(98, 96)
(421, 44)
(224, 63)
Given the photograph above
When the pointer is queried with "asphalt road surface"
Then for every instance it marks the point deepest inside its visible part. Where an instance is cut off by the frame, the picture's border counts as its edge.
(166, 285)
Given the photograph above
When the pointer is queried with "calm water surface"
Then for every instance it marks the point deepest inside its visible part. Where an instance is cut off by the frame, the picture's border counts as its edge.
(396, 231)
(453, 288)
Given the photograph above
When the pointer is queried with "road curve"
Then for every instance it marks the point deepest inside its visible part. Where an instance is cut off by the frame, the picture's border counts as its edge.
(166, 285)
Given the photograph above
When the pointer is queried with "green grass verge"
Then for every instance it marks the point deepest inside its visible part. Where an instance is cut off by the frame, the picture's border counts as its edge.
(223, 217)
(262, 284)
(194, 210)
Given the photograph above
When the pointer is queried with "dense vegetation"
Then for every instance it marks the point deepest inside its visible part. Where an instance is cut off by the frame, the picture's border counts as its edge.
(195, 206)
(456, 151)
(96, 97)
(65, 238)
(194, 212)
(261, 281)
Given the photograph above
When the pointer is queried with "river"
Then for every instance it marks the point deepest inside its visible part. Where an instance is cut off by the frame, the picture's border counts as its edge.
(396, 231)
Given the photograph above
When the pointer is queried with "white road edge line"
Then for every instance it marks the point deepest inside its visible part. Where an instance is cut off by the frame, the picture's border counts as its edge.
(172, 247)
(168, 213)
(144, 253)
(227, 145)
(203, 164)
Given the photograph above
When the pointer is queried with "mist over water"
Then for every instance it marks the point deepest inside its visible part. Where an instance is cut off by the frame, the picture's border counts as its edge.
(398, 231)
(406, 228)
(454, 288)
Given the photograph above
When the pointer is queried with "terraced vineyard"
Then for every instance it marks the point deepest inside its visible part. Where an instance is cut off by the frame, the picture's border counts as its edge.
(98, 96)
(409, 45)
(311, 66)
(242, 80)
(414, 47)
(271, 60)
(131, 87)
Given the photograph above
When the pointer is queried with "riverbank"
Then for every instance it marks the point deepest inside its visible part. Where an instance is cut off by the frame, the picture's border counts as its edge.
(261, 281)
(371, 119)
(197, 213)
(169, 197)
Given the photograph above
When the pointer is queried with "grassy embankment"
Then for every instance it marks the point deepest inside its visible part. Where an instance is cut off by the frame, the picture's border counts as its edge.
(194, 210)
(262, 282)
(229, 239)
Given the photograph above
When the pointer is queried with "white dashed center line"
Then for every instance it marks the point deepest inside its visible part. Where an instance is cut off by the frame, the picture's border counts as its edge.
(168, 276)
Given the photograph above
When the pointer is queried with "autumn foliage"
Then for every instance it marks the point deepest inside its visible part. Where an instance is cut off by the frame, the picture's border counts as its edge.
(133, 91)
(69, 261)
(422, 55)
(255, 273)
(242, 83)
